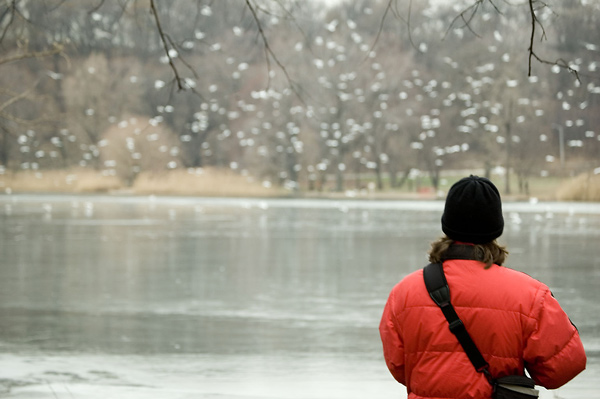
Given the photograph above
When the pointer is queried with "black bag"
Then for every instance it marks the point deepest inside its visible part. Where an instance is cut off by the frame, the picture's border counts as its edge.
(509, 387)
(514, 387)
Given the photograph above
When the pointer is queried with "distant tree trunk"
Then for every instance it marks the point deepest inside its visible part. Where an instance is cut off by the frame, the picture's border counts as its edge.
(435, 178)
(290, 165)
(339, 180)
(339, 173)
(523, 184)
(507, 125)
(488, 169)
(403, 180)
(357, 174)
(322, 180)
(4, 147)
(393, 179)
(60, 102)
(378, 175)
(311, 182)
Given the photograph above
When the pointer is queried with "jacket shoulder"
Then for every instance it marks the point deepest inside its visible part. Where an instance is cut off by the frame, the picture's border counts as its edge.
(411, 291)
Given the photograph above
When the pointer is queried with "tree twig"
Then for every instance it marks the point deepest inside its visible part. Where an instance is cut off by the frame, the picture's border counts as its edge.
(10, 10)
(15, 99)
(385, 13)
(533, 22)
(96, 8)
(187, 64)
(57, 49)
(270, 53)
(163, 38)
(532, 54)
(397, 15)
(473, 8)
(561, 63)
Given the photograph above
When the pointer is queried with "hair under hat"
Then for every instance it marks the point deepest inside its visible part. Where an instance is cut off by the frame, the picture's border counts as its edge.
(473, 211)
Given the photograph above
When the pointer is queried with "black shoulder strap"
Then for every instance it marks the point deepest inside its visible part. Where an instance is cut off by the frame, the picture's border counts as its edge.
(438, 288)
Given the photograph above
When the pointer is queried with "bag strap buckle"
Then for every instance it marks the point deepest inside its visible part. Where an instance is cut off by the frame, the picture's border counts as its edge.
(456, 325)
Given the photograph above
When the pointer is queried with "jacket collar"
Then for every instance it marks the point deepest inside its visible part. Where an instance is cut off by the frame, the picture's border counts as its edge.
(461, 251)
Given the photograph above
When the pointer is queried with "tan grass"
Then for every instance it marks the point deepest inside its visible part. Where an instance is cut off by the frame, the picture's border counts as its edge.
(207, 182)
(213, 182)
(64, 181)
(585, 187)
(198, 182)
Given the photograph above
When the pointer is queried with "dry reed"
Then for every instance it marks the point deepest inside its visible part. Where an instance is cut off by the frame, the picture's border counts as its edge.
(196, 182)
(585, 187)
(207, 182)
(58, 181)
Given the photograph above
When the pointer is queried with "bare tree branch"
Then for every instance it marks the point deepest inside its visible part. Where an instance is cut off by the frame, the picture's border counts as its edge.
(96, 8)
(559, 63)
(163, 38)
(533, 23)
(169, 44)
(26, 122)
(385, 13)
(183, 61)
(57, 6)
(291, 17)
(469, 13)
(57, 49)
(16, 97)
(532, 55)
(473, 8)
(270, 53)
(397, 15)
(10, 10)
(408, 22)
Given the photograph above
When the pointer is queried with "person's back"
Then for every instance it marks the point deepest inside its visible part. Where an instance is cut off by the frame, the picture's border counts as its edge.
(513, 319)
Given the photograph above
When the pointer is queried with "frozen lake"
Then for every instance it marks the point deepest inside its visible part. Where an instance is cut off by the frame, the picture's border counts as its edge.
(142, 297)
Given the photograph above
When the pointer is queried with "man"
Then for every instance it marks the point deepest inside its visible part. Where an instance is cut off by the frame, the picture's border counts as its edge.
(513, 319)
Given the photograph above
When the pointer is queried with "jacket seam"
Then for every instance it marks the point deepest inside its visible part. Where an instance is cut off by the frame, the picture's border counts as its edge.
(396, 320)
(461, 351)
(474, 307)
(539, 312)
(561, 349)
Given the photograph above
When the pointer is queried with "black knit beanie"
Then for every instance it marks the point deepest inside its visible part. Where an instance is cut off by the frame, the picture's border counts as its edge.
(473, 211)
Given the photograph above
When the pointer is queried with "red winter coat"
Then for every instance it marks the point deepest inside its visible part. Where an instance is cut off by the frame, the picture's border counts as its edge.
(513, 319)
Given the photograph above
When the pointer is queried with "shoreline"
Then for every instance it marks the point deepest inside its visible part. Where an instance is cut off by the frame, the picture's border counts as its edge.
(348, 195)
(214, 183)
(511, 208)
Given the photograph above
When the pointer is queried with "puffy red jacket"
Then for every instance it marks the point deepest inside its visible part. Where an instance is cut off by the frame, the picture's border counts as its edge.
(513, 319)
